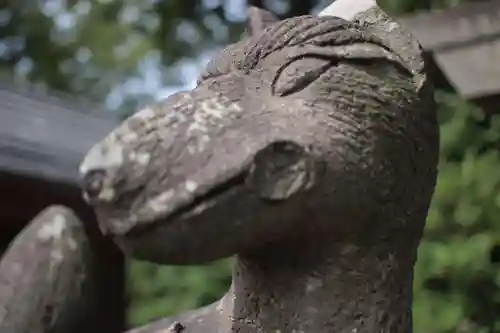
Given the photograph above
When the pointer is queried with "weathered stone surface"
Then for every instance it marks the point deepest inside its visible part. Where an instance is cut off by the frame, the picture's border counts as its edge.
(43, 275)
(309, 150)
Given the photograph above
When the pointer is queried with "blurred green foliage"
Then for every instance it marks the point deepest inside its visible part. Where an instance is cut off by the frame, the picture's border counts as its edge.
(457, 280)
(157, 291)
(111, 51)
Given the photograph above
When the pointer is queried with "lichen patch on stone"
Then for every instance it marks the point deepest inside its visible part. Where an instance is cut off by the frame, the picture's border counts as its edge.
(141, 158)
(105, 155)
(145, 114)
(72, 244)
(313, 284)
(160, 202)
(53, 229)
(107, 194)
(128, 136)
(191, 186)
(213, 108)
(210, 112)
(56, 255)
(392, 26)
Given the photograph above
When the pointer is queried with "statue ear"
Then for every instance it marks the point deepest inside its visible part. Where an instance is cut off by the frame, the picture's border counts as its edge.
(281, 170)
(259, 19)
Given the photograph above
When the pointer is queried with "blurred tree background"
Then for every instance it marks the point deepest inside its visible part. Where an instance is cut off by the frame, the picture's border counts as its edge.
(125, 53)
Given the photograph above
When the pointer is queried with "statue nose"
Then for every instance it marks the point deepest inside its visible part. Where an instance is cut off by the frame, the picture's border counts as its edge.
(93, 183)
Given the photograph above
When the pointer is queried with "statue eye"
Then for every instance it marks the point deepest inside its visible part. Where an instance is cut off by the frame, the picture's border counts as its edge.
(280, 170)
(298, 73)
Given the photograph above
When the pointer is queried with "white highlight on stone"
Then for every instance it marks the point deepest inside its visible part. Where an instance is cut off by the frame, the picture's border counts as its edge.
(211, 110)
(129, 136)
(220, 305)
(107, 194)
(72, 243)
(313, 284)
(236, 107)
(53, 229)
(392, 26)
(191, 186)
(145, 114)
(160, 202)
(86, 197)
(192, 149)
(214, 109)
(56, 255)
(205, 139)
(97, 158)
(142, 158)
(198, 124)
(203, 142)
(347, 9)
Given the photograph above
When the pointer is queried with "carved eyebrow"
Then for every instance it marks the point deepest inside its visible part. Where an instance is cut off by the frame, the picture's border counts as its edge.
(320, 31)
(306, 30)
(330, 39)
(283, 85)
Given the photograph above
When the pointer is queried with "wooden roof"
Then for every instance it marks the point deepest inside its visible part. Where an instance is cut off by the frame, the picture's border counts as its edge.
(44, 136)
(479, 76)
(465, 44)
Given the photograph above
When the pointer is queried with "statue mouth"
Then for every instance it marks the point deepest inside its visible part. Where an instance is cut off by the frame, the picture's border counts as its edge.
(194, 207)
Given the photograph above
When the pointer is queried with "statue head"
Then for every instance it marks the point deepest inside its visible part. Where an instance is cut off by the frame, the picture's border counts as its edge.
(308, 128)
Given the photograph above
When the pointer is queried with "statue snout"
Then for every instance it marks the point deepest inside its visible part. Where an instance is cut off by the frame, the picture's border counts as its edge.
(96, 172)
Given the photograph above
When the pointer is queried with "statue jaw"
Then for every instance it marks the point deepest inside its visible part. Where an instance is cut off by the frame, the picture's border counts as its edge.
(218, 217)
(137, 211)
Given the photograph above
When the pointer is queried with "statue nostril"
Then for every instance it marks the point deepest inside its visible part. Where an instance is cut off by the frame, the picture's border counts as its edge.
(93, 182)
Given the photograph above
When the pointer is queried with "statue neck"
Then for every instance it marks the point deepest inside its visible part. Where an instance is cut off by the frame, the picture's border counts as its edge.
(352, 290)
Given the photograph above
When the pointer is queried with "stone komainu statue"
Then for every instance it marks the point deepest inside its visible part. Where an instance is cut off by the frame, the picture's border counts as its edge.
(308, 150)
